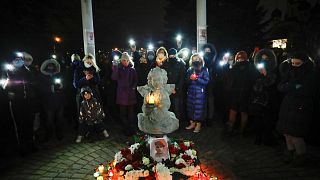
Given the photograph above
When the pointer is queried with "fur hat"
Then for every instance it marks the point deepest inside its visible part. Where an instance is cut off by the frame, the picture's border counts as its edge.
(125, 56)
(172, 51)
(44, 65)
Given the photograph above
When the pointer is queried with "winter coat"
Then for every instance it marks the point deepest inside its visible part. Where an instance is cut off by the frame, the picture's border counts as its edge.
(126, 78)
(79, 80)
(176, 73)
(141, 68)
(91, 112)
(196, 94)
(263, 94)
(298, 106)
(242, 78)
(53, 96)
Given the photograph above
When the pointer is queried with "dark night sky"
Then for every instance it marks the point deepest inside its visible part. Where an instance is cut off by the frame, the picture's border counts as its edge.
(30, 25)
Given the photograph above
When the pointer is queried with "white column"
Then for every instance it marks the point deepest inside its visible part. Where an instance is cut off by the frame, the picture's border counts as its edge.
(201, 23)
(87, 25)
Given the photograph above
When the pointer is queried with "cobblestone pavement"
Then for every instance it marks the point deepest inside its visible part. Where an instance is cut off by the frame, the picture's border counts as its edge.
(228, 158)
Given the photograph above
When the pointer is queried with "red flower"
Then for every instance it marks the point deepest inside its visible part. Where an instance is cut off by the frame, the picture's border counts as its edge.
(125, 152)
(173, 150)
(180, 166)
(186, 157)
(183, 147)
(120, 166)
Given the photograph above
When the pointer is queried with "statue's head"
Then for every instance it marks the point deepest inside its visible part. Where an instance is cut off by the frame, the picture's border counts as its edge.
(157, 77)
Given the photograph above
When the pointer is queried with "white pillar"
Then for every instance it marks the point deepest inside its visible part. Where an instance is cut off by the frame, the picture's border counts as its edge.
(201, 23)
(87, 25)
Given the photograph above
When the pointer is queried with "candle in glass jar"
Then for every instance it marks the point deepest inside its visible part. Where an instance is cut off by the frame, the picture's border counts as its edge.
(151, 99)
(194, 75)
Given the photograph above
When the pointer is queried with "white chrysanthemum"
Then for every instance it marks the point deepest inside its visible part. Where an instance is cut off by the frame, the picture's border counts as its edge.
(192, 153)
(96, 174)
(176, 145)
(181, 161)
(145, 161)
(187, 143)
(163, 172)
(118, 157)
(134, 147)
(128, 167)
(134, 174)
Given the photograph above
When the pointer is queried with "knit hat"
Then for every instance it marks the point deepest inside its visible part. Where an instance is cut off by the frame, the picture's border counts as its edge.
(172, 51)
(241, 55)
(125, 56)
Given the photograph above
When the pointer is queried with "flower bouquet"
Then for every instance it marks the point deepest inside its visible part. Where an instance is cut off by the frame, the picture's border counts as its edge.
(139, 161)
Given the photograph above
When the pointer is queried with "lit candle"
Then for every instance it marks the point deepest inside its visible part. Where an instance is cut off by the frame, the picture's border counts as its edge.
(100, 178)
(151, 99)
(194, 75)
(101, 168)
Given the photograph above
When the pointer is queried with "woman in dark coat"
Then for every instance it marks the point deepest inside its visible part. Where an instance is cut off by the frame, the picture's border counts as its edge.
(298, 105)
(197, 78)
(242, 78)
(53, 98)
(263, 97)
(126, 77)
(87, 75)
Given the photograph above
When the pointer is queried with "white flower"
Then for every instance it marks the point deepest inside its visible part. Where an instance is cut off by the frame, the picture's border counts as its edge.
(128, 167)
(134, 174)
(180, 161)
(176, 145)
(96, 174)
(163, 172)
(187, 143)
(145, 173)
(145, 161)
(192, 153)
(134, 147)
(118, 157)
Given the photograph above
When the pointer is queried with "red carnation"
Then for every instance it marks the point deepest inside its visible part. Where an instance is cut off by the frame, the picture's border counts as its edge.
(173, 150)
(180, 166)
(125, 152)
(183, 147)
(186, 157)
(120, 166)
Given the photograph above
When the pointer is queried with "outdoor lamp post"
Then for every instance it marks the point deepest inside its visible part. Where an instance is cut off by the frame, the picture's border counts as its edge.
(56, 41)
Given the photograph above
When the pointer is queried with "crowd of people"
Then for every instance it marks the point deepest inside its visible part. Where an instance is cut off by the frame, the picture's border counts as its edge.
(277, 96)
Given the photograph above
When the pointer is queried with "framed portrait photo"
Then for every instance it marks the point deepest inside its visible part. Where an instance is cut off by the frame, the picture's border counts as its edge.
(159, 149)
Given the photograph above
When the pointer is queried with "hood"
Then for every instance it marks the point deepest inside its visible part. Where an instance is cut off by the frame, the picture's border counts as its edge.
(44, 65)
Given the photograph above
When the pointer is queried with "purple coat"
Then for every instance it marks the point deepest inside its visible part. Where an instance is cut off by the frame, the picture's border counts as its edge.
(127, 80)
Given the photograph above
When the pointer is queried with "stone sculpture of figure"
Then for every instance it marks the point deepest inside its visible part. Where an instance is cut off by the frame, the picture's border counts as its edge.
(156, 117)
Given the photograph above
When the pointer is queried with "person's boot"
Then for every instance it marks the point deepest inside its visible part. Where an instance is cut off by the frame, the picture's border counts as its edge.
(192, 125)
(288, 156)
(105, 133)
(299, 160)
(78, 140)
(197, 128)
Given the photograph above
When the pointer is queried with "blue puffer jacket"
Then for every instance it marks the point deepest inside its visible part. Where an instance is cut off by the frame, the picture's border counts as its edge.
(196, 94)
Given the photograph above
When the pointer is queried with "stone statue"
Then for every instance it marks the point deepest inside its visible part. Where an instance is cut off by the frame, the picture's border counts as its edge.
(156, 117)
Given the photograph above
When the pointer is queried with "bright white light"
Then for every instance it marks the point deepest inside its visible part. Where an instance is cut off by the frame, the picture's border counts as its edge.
(9, 67)
(150, 47)
(132, 42)
(227, 54)
(201, 54)
(4, 82)
(116, 57)
(260, 65)
(54, 56)
(185, 53)
(57, 81)
(19, 54)
(222, 63)
(179, 37)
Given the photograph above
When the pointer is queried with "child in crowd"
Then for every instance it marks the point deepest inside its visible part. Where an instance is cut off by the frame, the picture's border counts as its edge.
(91, 115)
